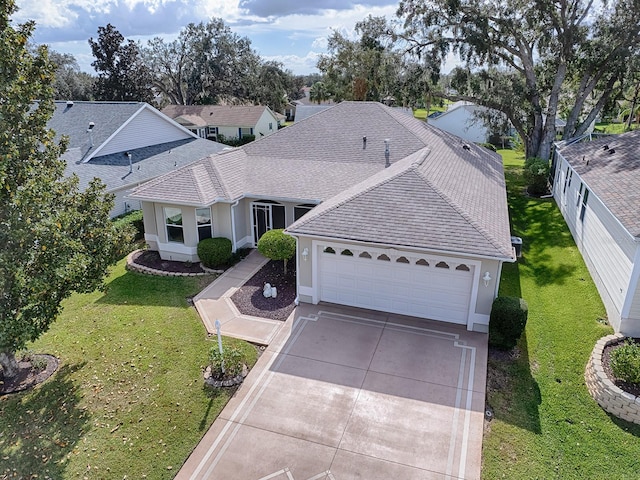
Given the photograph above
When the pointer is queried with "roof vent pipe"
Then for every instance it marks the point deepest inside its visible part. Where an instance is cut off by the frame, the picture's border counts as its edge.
(90, 132)
(69, 103)
(130, 163)
(364, 143)
(386, 153)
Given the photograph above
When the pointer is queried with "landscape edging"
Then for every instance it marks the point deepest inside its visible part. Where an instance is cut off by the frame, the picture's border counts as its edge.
(610, 397)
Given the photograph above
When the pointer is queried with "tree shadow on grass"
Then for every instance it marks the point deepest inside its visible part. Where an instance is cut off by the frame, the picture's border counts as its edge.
(512, 392)
(630, 427)
(41, 427)
(138, 289)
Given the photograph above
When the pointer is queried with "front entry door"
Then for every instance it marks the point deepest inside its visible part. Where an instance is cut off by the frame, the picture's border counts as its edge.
(266, 216)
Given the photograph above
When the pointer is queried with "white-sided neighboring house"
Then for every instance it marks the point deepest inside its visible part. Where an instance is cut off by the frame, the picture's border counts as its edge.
(389, 213)
(460, 119)
(102, 134)
(597, 187)
(233, 122)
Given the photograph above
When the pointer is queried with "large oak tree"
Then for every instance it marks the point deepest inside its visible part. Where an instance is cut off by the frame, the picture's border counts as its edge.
(526, 57)
(54, 239)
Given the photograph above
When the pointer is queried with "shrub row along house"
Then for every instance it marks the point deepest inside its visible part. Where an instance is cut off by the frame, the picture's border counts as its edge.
(124, 144)
(597, 188)
(388, 212)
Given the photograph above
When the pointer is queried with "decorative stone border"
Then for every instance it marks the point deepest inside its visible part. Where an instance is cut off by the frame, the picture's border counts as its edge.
(134, 267)
(611, 398)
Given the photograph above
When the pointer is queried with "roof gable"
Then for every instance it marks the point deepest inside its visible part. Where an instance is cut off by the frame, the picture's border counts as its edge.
(218, 115)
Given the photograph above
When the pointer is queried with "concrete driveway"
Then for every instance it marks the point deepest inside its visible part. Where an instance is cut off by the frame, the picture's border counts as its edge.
(345, 394)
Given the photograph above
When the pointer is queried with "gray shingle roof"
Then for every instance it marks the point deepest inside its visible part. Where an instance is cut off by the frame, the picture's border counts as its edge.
(453, 199)
(148, 162)
(613, 177)
(73, 120)
(217, 115)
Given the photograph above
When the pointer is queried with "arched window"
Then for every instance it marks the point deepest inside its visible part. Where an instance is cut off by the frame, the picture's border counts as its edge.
(329, 250)
(462, 267)
(347, 252)
(384, 258)
(364, 255)
(402, 260)
(422, 262)
(442, 265)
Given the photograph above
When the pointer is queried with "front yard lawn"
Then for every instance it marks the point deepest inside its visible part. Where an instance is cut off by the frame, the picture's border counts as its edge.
(128, 399)
(546, 425)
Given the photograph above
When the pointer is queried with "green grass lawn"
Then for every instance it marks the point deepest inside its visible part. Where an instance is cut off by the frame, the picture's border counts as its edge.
(614, 127)
(128, 400)
(546, 425)
(421, 113)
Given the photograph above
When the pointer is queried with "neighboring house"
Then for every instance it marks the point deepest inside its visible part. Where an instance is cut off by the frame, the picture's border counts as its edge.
(461, 120)
(305, 111)
(101, 134)
(389, 213)
(597, 187)
(233, 122)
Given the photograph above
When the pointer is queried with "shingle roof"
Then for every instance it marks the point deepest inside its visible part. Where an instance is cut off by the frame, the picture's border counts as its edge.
(147, 162)
(73, 120)
(454, 199)
(612, 174)
(217, 115)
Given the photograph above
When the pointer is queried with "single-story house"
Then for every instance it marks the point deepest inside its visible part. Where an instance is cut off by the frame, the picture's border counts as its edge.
(304, 111)
(229, 121)
(389, 213)
(461, 120)
(597, 188)
(123, 144)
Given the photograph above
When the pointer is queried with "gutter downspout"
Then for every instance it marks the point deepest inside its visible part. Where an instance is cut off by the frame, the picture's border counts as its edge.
(233, 226)
(297, 299)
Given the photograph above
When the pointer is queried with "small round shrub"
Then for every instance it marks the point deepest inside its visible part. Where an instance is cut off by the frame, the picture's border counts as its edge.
(507, 321)
(230, 359)
(625, 362)
(536, 171)
(214, 252)
(275, 245)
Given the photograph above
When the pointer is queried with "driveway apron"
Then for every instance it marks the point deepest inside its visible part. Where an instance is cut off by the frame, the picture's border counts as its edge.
(346, 393)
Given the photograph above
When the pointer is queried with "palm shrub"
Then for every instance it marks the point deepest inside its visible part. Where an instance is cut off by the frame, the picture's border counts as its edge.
(625, 362)
(507, 322)
(275, 245)
(214, 252)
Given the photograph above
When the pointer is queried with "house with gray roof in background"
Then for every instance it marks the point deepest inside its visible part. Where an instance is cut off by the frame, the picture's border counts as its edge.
(123, 144)
(226, 122)
(389, 213)
(597, 188)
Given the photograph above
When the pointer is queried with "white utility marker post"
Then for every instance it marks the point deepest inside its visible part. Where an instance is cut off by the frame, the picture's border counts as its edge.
(218, 325)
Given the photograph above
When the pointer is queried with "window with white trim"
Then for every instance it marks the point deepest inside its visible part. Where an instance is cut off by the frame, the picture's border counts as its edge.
(585, 198)
(301, 210)
(173, 224)
(203, 221)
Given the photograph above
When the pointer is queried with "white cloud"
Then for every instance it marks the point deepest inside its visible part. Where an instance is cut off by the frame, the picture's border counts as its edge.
(320, 43)
(297, 64)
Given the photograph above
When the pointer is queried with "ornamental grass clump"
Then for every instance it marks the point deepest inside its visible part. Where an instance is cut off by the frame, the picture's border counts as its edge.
(625, 362)
(227, 364)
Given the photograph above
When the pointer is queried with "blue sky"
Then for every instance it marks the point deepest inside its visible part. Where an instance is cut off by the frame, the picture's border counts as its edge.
(291, 31)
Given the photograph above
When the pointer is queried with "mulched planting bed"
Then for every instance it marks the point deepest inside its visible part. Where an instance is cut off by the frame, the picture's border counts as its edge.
(632, 388)
(27, 376)
(151, 259)
(250, 300)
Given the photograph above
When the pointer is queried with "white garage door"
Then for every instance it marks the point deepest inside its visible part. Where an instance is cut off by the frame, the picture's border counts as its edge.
(420, 286)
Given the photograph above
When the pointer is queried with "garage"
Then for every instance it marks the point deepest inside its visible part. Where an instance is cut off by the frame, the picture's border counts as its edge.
(425, 286)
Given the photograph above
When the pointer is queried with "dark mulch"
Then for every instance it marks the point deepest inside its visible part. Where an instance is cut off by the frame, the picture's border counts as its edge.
(27, 376)
(632, 388)
(151, 259)
(250, 300)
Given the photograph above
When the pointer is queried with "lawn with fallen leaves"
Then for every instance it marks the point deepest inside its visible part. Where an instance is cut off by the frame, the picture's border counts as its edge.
(128, 400)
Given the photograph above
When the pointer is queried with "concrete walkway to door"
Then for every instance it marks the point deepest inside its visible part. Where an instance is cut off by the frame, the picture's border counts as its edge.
(345, 393)
(214, 303)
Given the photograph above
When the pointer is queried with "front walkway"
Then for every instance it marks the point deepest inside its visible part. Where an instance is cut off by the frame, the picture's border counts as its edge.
(214, 303)
(345, 393)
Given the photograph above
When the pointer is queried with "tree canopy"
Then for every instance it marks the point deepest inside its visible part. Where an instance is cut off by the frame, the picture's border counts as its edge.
(531, 59)
(55, 239)
(70, 83)
(122, 73)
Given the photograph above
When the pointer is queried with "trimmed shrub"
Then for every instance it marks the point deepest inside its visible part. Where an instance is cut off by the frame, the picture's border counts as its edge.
(134, 219)
(275, 245)
(625, 362)
(214, 252)
(507, 321)
(536, 172)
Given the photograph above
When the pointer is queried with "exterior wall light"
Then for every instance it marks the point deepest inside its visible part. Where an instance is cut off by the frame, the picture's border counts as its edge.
(305, 254)
(486, 279)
